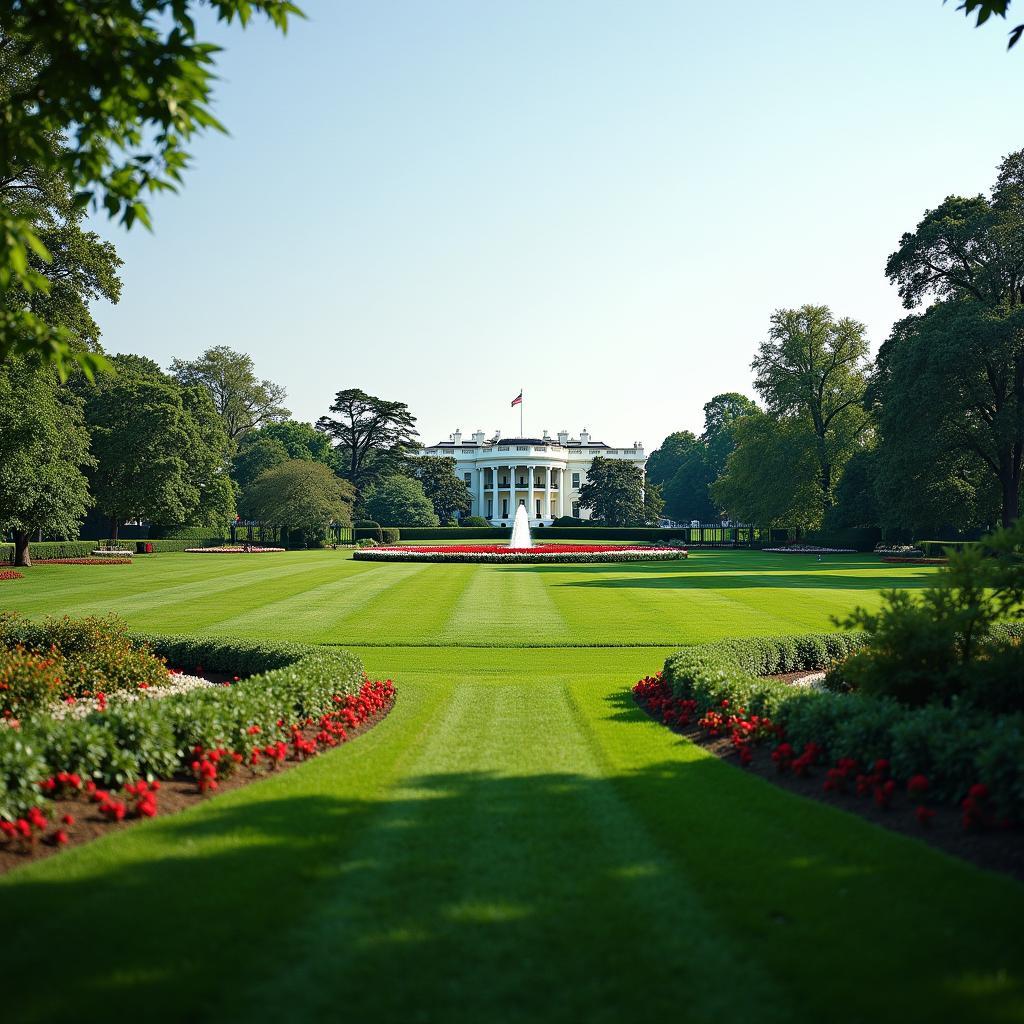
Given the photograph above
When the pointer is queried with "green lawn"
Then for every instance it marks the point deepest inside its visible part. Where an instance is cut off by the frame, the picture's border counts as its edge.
(516, 842)
(325, 597)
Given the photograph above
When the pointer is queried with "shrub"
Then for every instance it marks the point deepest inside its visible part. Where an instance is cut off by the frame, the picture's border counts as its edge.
(953, 746)
(948, 641)
(367, 529)
(156, 738)
(197, 536)
(53, 549)
(390, 534)
(94, 654)
(473, 521)
(28, 681)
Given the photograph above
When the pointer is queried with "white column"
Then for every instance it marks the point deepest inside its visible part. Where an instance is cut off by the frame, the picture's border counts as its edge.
(529, 492)
(561, 492)
(496, 509)
(547, 492)
(481, 497)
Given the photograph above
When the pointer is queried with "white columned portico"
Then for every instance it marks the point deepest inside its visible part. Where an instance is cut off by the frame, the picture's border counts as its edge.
(529, 492)
(547, 492)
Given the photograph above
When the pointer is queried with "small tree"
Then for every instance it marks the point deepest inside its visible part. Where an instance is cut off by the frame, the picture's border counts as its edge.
(446, 490)
(302, 497)
(44, 447)
(614, 492)
(400, 501)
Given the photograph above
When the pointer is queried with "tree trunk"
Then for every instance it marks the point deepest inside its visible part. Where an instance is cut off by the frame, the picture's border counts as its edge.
(1011, 496)
(113, 527)
(21, 552)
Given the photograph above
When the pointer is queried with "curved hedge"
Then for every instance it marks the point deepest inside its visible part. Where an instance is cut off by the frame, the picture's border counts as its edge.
(154, 738)
(954, 746)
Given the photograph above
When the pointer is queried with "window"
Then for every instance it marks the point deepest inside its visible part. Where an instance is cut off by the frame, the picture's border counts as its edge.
(538, 508)
(504, 508)
(522, 482)
(490, 508)
(575, 482)
(504, 481)
(575, 510)
(468, 478)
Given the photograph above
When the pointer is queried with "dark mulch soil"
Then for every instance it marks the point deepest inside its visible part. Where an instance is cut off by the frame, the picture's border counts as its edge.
(996, 850)
(794, 677)
(175, 795)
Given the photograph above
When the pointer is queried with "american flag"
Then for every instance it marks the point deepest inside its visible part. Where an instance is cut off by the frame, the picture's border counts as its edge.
(518, 400)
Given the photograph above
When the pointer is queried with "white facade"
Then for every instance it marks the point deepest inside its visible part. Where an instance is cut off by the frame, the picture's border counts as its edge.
(543, 473)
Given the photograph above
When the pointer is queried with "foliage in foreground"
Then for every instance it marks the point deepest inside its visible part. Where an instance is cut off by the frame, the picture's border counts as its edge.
(151, 739)
(943, 644)
(955, 747)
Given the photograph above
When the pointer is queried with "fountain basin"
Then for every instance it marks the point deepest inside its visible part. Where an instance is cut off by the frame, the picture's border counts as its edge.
(503, 554)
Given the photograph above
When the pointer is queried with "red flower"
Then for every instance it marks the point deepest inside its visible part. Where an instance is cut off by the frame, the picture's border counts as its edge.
(917, 785)
(68, 819)
(924, 815)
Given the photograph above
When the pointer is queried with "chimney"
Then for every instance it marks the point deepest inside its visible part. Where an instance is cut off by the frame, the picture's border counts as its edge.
(478, 437)
(584, 437)
(546, 436)
(563, 437)
(457, 437)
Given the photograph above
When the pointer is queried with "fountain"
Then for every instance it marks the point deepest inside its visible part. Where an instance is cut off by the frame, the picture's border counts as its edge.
(521, 530)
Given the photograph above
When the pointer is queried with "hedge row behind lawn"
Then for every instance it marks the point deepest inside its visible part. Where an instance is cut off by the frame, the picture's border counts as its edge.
(154, 738)
(954, 747)
(59, 549)
(178, 545)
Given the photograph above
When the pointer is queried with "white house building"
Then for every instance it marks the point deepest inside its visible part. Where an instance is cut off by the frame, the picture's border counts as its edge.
(543, 473)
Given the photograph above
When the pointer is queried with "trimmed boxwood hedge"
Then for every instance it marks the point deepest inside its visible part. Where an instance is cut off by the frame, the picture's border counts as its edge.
(59, 549)
(196, 535)
(179, 544)
(154, 738)
(580, 533)
(937, 548)
(954, 746)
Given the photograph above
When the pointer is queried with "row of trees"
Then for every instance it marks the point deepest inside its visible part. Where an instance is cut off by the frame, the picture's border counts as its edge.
(928, 438)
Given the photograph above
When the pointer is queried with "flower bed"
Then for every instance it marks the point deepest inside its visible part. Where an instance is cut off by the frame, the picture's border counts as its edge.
(969, 764)
(11, 574)
(300, 701)
(502, 554)
(809, 549)
(89, 560)
(232, 549)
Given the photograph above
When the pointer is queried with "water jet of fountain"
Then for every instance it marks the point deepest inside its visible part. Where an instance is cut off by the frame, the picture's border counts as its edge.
(521, 530)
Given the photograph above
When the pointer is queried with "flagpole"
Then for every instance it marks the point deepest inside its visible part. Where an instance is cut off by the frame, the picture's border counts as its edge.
(520, 413)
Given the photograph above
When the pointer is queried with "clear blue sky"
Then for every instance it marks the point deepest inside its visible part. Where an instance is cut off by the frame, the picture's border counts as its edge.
(599, 202)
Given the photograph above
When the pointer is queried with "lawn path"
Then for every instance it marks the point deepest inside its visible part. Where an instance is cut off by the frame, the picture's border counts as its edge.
(516, 842)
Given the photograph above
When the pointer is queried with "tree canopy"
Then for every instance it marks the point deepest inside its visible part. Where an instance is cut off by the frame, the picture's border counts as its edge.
(103, 97)
(373, 436)
(303, 497)
(444, 488)
(242, 400)
(614, 493)
(44, 448)
(951, 379)
(400, 501)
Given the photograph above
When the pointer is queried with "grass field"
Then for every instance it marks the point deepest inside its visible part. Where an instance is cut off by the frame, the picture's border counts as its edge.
(325, 597)
(516, 842)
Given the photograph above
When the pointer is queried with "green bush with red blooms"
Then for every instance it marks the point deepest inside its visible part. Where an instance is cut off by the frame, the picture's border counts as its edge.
(956, 746)
(288, 688)
(41, 662)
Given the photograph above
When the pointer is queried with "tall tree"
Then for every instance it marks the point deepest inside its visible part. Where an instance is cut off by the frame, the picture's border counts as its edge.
(44, 447)
(771, 478)
(128, 84)
(253, 460)
(964, 355)
(686, 493)
(614, 493)
(301, 496)
(444, 488)
(814, 368)
(720, 416)
(665, 460)
(243, 401)
(373, 437)
(300, 440)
